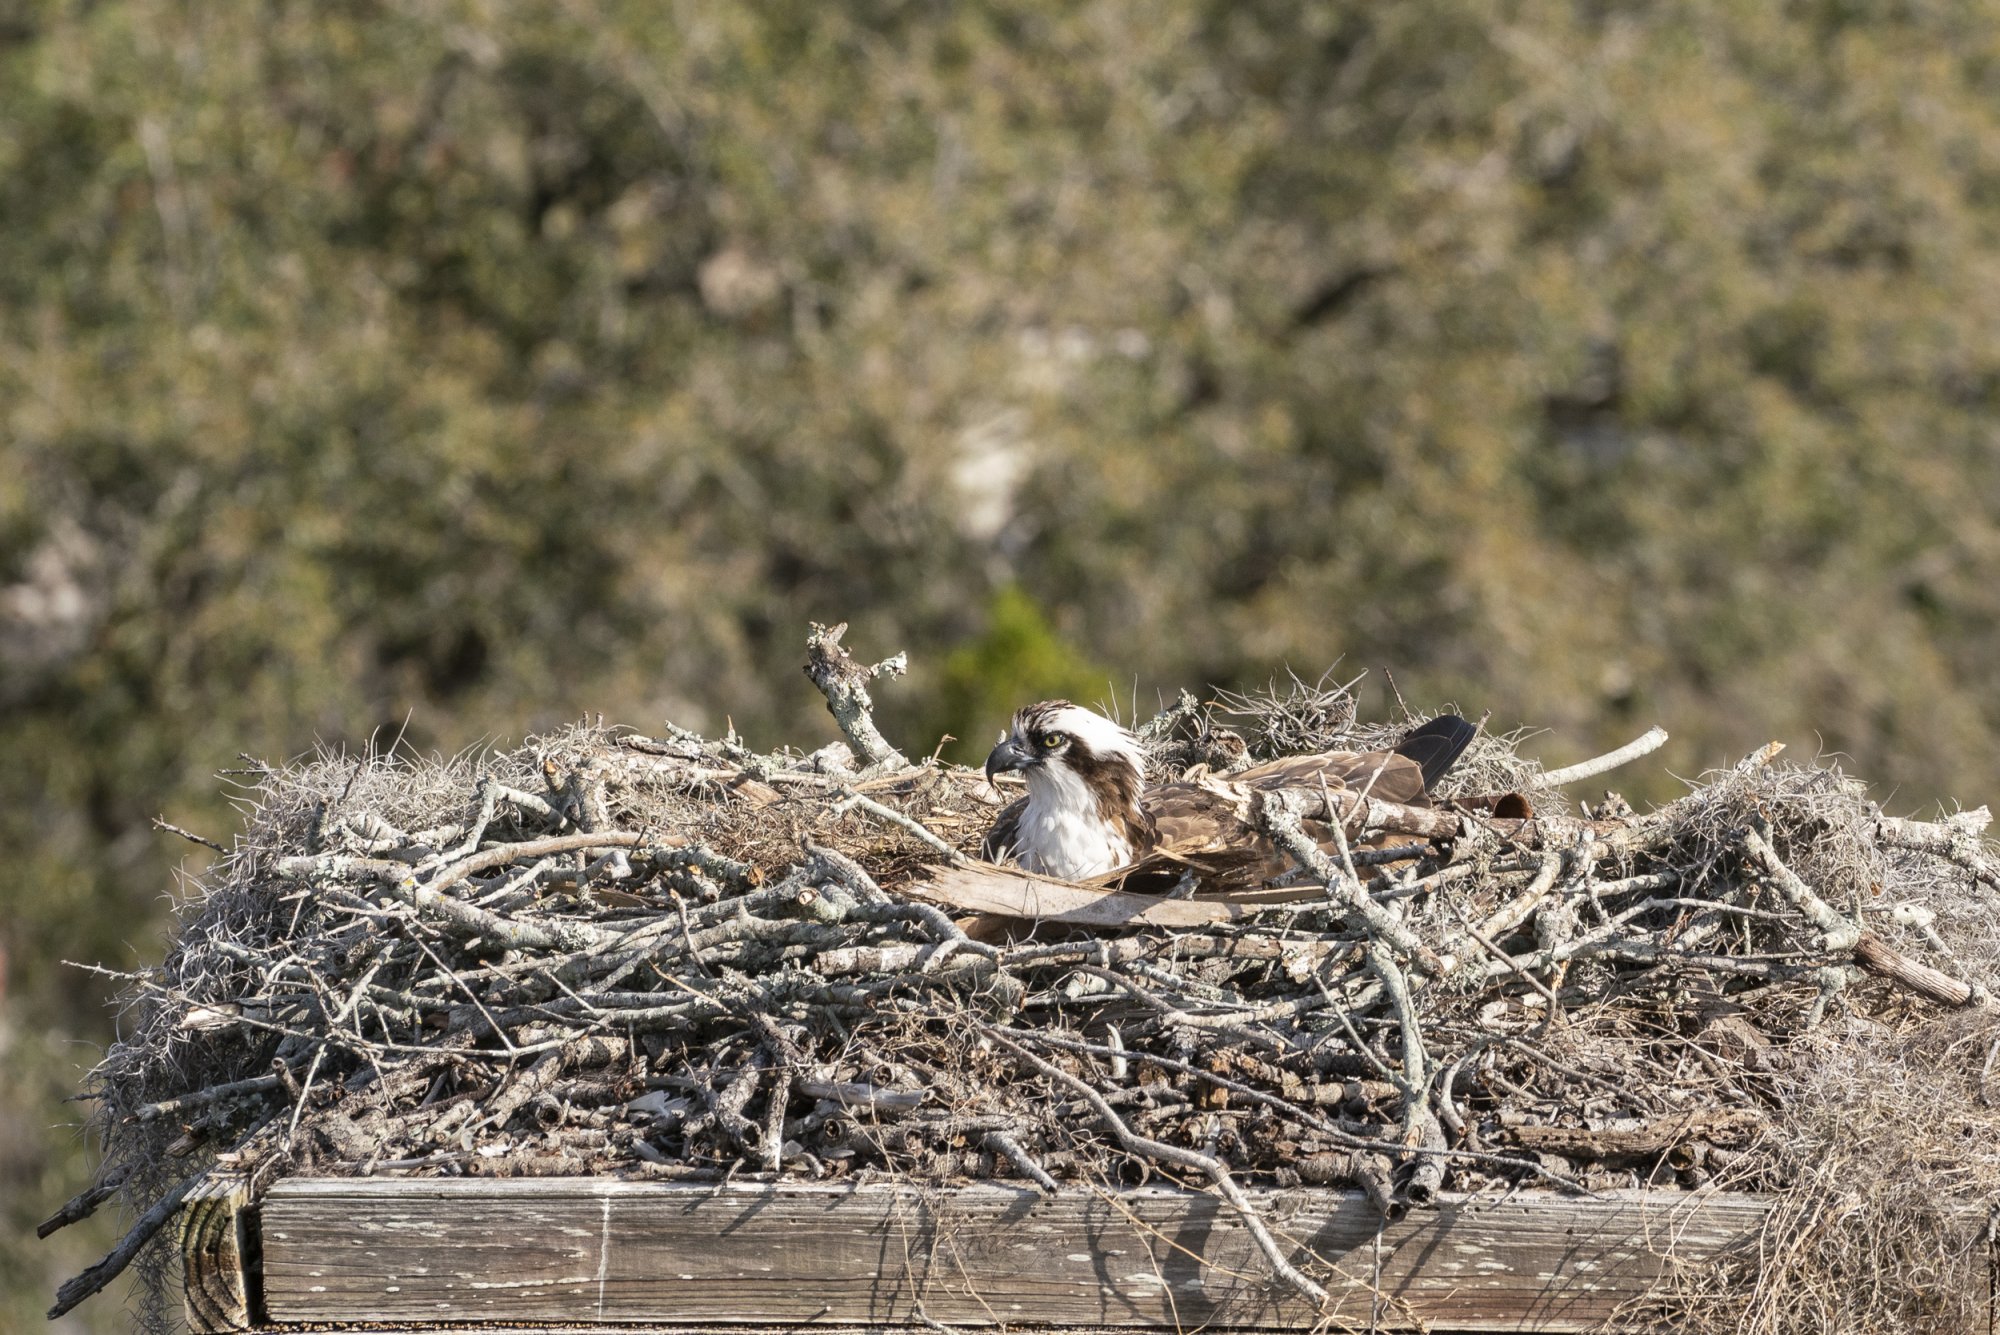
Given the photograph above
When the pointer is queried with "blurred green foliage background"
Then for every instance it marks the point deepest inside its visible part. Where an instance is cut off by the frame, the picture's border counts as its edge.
(479, 365)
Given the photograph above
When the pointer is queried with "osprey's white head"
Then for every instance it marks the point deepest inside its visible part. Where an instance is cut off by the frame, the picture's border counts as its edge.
(1084, 776)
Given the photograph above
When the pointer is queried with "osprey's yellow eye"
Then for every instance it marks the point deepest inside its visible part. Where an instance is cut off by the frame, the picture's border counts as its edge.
(1051, 740)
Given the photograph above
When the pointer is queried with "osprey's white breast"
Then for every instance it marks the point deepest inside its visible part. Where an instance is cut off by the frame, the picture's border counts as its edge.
(1063, 832)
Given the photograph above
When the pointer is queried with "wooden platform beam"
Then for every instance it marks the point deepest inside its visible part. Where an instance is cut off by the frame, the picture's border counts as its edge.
(217, 1260)
(611, 1255)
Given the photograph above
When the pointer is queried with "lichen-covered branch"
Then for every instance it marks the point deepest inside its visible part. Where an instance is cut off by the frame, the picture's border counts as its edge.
(1836, 932)
(1279, 818)
(844, 683)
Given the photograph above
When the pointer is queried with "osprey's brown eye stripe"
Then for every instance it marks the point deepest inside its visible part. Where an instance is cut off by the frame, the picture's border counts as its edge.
(1051, 740)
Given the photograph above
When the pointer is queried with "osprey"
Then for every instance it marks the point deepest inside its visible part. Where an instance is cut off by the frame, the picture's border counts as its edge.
(1088, 810)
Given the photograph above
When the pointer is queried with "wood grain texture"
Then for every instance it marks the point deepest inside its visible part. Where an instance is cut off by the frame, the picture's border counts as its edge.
(590, 1250)
(214, 1259)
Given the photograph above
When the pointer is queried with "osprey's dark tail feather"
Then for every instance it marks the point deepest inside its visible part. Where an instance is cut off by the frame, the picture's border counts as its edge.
(1437, 745)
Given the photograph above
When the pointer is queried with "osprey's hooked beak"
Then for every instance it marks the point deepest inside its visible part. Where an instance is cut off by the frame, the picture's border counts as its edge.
(1010, 754)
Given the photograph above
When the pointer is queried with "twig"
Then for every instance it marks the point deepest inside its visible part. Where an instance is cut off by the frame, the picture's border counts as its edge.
(1655, 738)
(162, 824)
(84, 1204)
(1162, 724)
(1007, 1147)
(1956, 839)
(1304, 1116)
(1420, 1128)
(1371, 1172)
(860, 1094)
(1486, 943)
(305, 1088)
(525, 1088)
(850, 799)
(1877, 956)
(1424, 1138)
(1279, 818)
(256, 1084)
(1515, 912)
(489, 797)
(114, 1263)
(428, 897)
(1836, 933)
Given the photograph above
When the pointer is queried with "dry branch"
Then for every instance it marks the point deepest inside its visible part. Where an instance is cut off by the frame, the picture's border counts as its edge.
(113, 1265)
(844, 683)
(1214, 1169)
(1645, 1139)
(1638, 748)
(79, 1207)
(1836, 932)
(1874, 954)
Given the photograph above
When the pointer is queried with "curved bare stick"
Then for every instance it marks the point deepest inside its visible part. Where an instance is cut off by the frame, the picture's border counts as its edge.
(1655, 738)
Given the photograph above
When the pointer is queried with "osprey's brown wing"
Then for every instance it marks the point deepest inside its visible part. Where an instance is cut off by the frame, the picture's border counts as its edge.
(1199, 828)
(1005, 833)
(1383, 775)
(1190, 819)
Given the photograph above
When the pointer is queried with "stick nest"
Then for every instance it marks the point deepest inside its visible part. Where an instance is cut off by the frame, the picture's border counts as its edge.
(670, 958)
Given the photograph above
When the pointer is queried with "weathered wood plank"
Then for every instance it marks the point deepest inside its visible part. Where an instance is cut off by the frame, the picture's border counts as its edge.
(214, 1260)
(583, 1250)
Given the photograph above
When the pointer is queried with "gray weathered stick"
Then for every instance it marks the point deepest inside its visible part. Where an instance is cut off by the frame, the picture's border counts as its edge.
(1836, 932)
(80, 1206)
(1280, 820)
(1655, 738)
(114, 1263)
(844, 683)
